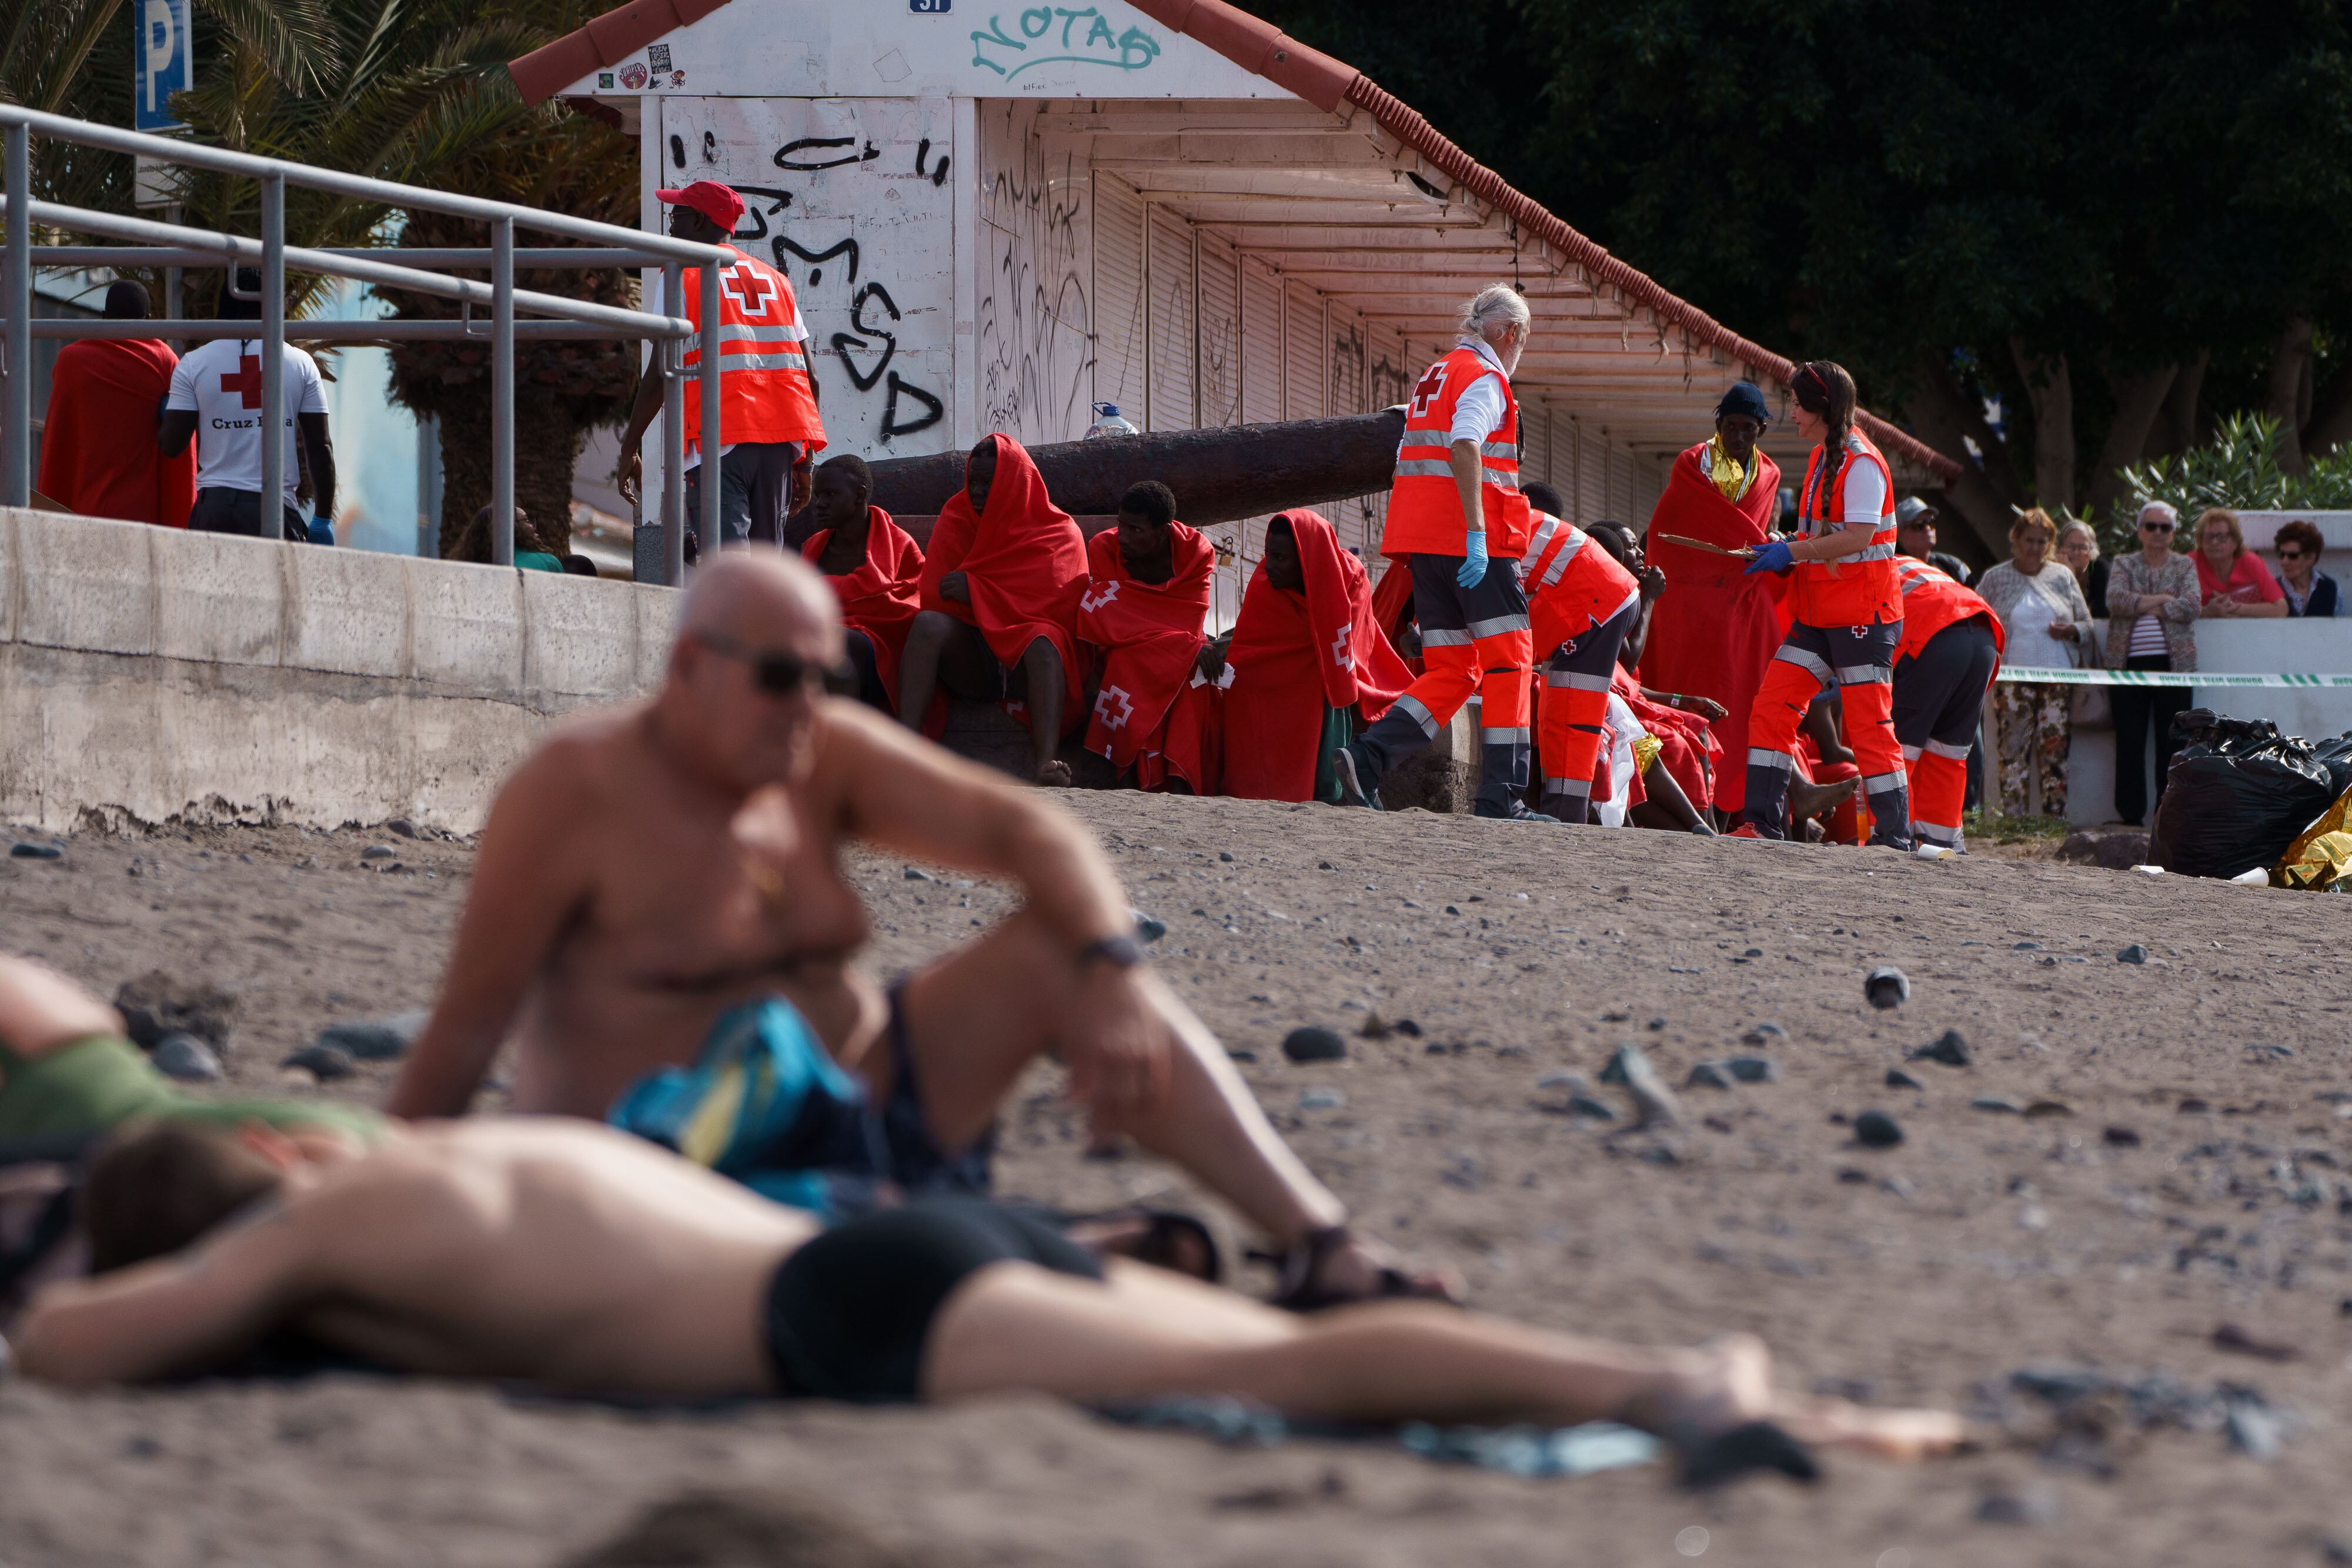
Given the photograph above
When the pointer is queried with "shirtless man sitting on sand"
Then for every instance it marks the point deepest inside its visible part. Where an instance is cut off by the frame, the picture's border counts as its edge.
(578, 1258)
(652, 867)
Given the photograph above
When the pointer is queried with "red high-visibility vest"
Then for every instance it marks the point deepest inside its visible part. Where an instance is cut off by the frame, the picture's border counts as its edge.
(1859, 590)
(764, 391)
(1934, 600)
(1424, 508)
(1562, 560)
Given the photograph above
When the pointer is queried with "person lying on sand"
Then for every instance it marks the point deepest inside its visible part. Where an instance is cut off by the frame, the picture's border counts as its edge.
(651, 869)
(576, 1257)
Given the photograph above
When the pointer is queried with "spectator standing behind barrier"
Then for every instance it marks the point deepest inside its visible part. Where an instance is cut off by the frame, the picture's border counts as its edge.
(98, 455)
(1915, 536)
(2152, 604)
(2047, 626)
(2078, 550)
(215, 398)
(2230, 578)
(2310, 592)
(767, 402)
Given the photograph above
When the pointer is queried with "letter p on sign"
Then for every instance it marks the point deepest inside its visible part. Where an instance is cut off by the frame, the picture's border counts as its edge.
(162, 61)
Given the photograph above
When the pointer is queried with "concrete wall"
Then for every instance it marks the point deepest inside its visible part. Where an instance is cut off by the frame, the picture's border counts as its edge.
(146, 673)
(2279, 647)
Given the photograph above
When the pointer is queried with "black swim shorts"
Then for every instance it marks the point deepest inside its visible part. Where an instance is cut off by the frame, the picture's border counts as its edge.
(850, 1313)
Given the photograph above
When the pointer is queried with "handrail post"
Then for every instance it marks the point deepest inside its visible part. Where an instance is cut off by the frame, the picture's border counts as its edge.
(19, 412)
(502, 368)
(271, 512)
(710, 442)
(668, 352)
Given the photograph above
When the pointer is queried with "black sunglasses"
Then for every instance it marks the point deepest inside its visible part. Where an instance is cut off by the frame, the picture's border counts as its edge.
(2159, 527)
(778, 674)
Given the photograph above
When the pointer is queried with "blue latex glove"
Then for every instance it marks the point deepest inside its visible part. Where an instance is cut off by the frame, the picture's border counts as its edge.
(1770, 556)
(1474, 565)
(322, 529)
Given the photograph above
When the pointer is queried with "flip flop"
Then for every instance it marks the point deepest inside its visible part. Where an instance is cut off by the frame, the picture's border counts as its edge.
(1743, 1450)
(1171, 1239)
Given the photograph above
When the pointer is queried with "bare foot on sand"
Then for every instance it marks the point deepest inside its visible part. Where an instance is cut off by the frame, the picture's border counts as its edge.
(1727, 1383)
(1812, 799)
(1053, 774)
(1337, 1267)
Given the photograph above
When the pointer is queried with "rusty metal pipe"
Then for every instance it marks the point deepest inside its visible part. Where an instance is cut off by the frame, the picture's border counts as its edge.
(1219, 475)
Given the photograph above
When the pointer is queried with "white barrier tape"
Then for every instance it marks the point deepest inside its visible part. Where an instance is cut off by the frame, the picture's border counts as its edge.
(2070, 677)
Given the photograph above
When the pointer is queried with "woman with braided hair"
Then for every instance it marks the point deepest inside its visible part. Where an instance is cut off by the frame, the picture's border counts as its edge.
(1848, 604)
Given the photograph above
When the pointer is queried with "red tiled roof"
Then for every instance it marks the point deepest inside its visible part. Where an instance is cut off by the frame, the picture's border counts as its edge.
(1260, 47)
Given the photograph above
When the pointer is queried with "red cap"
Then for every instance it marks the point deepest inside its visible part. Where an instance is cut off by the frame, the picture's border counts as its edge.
(714, 201)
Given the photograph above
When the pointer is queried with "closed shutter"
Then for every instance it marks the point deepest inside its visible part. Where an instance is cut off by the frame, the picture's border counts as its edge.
(1220, 334)
(1174, 405)
(1261, 346)
(1119, 297)
(1534, 443)
(1591, 475)
(1302, 354)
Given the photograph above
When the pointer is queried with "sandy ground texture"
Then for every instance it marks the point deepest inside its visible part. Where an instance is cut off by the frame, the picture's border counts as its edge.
(2186, 1175)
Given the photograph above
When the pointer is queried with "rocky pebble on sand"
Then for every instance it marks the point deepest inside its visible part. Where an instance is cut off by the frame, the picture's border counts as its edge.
(1950, 1048)
(324, 1063)
(1312, 1042)
(1887, 987)
(187, 1059)
(1878, 1130)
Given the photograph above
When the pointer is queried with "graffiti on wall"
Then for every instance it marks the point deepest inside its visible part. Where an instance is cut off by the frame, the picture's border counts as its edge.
(848, 199)
(1053, 34)
(1035, 315)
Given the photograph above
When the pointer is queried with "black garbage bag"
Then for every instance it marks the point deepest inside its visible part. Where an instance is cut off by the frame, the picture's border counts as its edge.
(2238, 794)
(2336, 755)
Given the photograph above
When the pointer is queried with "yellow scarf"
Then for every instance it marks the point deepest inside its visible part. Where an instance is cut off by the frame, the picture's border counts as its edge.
(1731, 480)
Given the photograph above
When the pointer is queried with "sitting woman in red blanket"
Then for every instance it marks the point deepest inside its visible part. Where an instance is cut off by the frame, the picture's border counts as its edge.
(876, 570)
(1145, 609)
(1271, 700)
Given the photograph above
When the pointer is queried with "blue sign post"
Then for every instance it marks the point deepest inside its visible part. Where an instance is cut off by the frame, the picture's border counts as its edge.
(161, 60)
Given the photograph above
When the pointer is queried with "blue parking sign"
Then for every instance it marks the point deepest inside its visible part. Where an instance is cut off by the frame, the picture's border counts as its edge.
(161, 60)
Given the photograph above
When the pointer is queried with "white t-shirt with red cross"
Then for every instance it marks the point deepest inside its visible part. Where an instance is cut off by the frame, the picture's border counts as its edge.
(221, 382)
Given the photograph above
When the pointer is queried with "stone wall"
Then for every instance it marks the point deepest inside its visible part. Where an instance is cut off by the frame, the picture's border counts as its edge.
(149, 673)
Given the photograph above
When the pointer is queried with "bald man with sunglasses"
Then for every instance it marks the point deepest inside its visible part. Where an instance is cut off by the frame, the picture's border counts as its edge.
(653, 868)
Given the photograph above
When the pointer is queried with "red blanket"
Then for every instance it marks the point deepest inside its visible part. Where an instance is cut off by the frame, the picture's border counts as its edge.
(1690, 753)
(1024, 559)
(879, 598)
(98, 444)
(1292, 655)
(1149, 634)
(1714, 629)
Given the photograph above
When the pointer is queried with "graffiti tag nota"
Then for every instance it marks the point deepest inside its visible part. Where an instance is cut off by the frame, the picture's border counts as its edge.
(1040, 30)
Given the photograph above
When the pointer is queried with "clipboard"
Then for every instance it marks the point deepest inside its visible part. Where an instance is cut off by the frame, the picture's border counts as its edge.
(1703, 545)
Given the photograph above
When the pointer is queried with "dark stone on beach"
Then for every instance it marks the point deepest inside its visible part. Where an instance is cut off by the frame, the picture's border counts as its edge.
(1854, 1174)
(2245, 1341)
(2116, 849)
(2122, 1138)
(1654, 1101)
(2036, 1505)
(324, 1063)
(1754, 953)
(1878, 1130)
(1887, 987)
(2025, 946)
(1373, 1027)
(1950, 1048)
(1450, 909)
(2001, 1103)
(1241, 1056)
(1147, 929)
(387, 1039)
(2194, 1107)
(1755, 1069)
(157, 1003)
(1225, 855)
(186, 1059)
(402, 826)
(2041, 1108)
(1321, 1100)
(1898, 1078)
(917, 874)
(378, 853)
(1707, 1076)
(1586, 1106)
(30, 850)
(2134, 954)
(1764, 1034)
(1314, 1043)
(1408, 1029)
(762, 1528)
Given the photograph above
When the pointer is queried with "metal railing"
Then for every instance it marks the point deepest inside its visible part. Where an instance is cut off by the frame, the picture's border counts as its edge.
(176, 245)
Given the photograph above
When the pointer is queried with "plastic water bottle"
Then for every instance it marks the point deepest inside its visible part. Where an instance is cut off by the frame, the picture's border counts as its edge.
(1109, 422)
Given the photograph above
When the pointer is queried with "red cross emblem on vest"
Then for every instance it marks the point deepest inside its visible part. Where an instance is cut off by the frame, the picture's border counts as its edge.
(1425, 391)
(749, 287)
(1114, 707)
(246, 383)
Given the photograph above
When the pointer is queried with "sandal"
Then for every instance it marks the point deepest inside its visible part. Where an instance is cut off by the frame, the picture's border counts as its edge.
(1299, 1286)
(1745, 1450)
(1167, 1239)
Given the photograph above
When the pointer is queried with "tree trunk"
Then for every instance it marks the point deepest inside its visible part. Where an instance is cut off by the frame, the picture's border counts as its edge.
(2176, 428)
(2289, 400)
(1946, 418)
(548, 437)
(2139, 399)
(2050, 386)
(2330, 424)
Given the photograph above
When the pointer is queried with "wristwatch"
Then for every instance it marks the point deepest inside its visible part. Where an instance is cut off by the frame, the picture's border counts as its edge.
(1119, 951)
